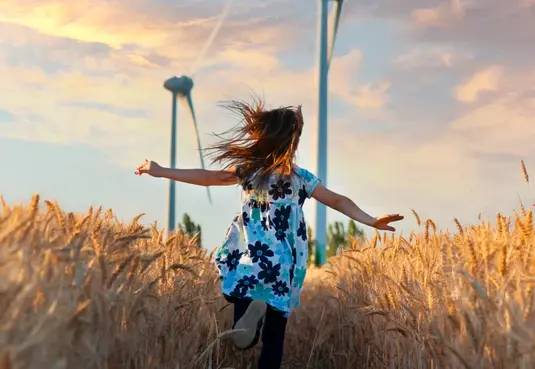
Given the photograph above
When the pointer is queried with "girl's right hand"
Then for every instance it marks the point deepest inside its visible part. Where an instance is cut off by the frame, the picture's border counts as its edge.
(383, 223)
(149, 167)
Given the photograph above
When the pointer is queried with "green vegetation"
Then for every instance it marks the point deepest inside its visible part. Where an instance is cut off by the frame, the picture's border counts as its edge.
(190, 229)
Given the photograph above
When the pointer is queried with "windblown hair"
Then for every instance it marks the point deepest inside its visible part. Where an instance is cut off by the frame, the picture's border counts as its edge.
(263, 143)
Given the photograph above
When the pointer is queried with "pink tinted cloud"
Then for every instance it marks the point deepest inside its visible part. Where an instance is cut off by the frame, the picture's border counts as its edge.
(485, 80)
(385, 171)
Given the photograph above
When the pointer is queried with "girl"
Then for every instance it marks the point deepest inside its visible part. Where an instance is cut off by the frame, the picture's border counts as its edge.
(262, 261)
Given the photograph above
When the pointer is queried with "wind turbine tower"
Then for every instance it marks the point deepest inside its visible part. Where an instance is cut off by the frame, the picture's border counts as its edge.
(180, 87)
(326, 46)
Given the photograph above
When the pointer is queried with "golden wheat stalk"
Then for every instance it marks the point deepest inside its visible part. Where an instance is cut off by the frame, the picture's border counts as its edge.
(402, 304)
(524, 171)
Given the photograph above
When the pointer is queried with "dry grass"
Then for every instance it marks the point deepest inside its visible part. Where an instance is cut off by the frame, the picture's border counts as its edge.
(90, 292)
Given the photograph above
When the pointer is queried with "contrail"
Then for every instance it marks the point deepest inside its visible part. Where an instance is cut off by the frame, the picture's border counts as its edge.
(212, 37)
(87, 10)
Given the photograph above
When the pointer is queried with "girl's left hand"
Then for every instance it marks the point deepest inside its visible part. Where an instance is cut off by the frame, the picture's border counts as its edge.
(382, 223)
(148, 167)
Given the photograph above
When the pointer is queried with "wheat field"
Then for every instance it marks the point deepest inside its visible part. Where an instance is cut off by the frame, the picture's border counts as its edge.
(86, 291)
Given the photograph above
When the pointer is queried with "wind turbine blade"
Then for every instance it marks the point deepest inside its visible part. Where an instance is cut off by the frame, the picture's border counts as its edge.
(211, 38)
(337, 12)
(190, 105)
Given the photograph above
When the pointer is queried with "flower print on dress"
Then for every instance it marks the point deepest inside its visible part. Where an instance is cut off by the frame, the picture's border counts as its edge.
(260, 252)
(238, 292)
(292, 270)
(244, 269)
(258, 230)
(302, 230)
(247, 282)
(280, 235)
(303, 195)
(231, 241)
(281, 219)
(291, 239)
(221, 258)
(245, 218)
(271, 223)
(309, 181)
(233, 259)
(307, 176)
(262, 205)
(300, 274)
(280, 190)
(269, 272)
(222, 253)
(262, 293)
(265, 224)
(255, 215)
(229, 280)
(285, 275)
(280, 288)
(284, 255)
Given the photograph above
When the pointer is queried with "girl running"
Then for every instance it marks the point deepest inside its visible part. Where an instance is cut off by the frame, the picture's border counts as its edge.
(263, 259)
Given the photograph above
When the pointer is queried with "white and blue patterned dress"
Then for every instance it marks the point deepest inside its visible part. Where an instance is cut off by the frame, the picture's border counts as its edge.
(265, 252)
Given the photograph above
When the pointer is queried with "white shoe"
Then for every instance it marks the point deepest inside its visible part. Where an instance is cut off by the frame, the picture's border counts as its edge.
(249, 324)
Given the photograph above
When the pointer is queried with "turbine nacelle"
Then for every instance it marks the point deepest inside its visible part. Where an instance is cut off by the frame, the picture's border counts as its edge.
(179, 85)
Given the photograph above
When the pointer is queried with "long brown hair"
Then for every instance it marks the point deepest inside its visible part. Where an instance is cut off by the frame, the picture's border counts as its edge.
(263, 143)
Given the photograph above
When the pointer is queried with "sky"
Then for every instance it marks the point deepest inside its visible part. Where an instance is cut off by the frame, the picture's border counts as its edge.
(431, 103)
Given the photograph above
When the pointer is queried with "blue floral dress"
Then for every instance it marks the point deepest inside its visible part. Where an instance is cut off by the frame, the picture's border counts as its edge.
(265, 252)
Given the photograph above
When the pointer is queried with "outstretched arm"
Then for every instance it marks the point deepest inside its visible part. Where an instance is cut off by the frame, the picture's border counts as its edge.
(347, 207)
(200, 177)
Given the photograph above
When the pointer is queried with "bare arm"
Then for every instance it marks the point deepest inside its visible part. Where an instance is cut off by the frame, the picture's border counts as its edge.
(342, 204)
(347, 207)
(200, 177)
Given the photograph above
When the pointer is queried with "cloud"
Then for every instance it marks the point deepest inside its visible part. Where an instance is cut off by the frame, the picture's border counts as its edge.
(430, 106)
(503, 126)
(144, 26)
(344, 71)
(483, 81)
(89, 21)
(441, 16)
(259, 59)
(430, 57)
(6, 117)
(127, 113)
(495, 29)
(502, 122)
(443, 176)
(344, 77)
(89, 89)
(372, 95)
(437, 177)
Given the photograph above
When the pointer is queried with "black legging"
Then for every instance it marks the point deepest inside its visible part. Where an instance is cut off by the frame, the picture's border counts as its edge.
(272, 334)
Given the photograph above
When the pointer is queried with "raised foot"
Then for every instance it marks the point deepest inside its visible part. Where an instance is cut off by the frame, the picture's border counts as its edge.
(249, 324)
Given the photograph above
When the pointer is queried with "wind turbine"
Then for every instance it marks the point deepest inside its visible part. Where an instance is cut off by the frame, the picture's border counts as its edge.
(326, 46)
(180, 87)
